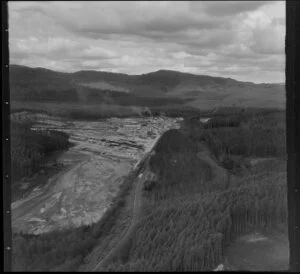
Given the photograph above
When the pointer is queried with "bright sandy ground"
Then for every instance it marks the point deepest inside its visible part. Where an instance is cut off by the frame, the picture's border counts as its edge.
(95, 167)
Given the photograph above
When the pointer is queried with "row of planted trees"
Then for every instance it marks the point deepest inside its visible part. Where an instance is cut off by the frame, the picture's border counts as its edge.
(188, 231)
(187, 227)
(260, 135)
(191, 234)
(178, 167)
(178, 174)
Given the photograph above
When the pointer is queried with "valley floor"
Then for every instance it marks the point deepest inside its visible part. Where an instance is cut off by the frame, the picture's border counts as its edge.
(103, 153)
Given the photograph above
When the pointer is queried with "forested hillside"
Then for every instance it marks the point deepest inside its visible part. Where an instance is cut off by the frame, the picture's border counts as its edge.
(161, 91)
(190, 234)
(187, 226)
(178, 168)
(256, 134)
(31, 149)
(188, 217)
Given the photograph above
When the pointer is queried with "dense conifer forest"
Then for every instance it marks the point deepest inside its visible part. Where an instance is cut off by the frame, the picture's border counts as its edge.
(188, 218)
(30, 149)
(190, 233)
(187, 224)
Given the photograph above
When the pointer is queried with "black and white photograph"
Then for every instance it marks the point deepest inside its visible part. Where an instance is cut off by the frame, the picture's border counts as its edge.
(148, 136)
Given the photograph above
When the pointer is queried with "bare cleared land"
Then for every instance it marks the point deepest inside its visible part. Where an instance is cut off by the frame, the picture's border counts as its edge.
(103, 153)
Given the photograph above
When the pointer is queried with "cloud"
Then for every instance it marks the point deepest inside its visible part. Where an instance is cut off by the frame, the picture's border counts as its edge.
(98, 52)
(230, 37)
(262, 33)
(269, 39)
(92, 19)
(225, 8)
(51, 45)
(180, 55)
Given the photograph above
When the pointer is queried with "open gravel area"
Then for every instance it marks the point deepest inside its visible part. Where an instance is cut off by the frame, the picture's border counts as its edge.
(103, 153)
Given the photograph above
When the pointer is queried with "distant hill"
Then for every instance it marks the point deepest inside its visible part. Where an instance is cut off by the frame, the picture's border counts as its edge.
(163, 87)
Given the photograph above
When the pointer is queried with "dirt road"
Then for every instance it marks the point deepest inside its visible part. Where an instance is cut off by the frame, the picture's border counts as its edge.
(136, 204)
(219, 173)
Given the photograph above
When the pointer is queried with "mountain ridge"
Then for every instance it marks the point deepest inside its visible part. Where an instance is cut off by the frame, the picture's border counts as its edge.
(153, 72)
(170, 86)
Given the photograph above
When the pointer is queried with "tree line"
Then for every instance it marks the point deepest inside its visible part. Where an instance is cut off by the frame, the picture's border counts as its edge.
(187, 222)
(259, 134)
(187, 225)
(191, 234)
(30, 148)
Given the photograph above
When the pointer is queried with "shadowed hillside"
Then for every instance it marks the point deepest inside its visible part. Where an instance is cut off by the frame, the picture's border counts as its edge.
(157, 89)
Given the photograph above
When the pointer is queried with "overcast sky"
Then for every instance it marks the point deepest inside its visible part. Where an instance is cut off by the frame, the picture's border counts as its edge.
(237, 39)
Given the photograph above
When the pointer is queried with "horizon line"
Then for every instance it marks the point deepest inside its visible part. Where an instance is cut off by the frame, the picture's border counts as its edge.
(183, 72)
